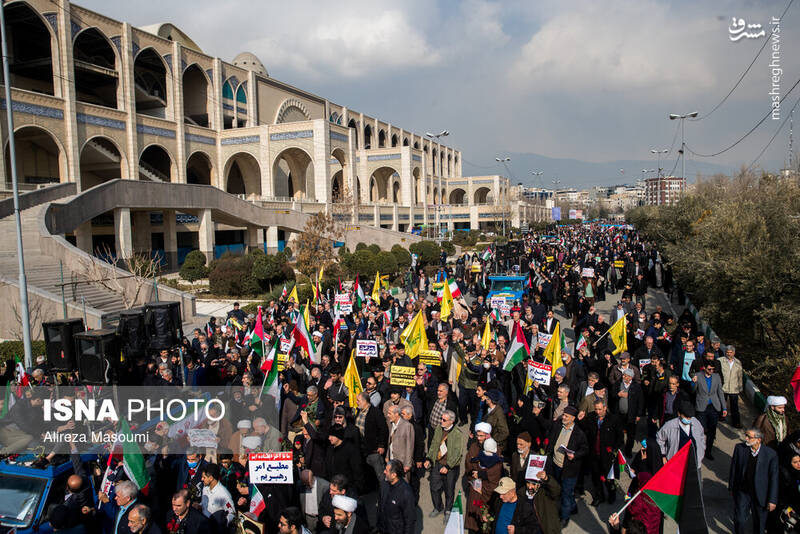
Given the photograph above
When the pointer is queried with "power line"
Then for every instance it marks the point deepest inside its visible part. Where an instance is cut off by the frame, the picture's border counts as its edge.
(774, 136)
(739, 81)
(759, 123)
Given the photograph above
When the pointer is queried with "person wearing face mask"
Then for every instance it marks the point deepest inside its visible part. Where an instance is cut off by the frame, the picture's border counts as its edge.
(753, 481)
(677, 432)
(190, 469)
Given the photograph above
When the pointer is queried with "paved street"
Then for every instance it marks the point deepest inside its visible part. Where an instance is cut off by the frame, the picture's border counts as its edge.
(715, 474)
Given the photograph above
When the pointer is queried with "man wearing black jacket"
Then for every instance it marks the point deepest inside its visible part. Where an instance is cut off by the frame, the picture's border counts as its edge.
(629, 403)
(417, 472)
(604, 434)
(343, 457)
(374, 433)
(185, 517)
(567, 446)
(396, 508)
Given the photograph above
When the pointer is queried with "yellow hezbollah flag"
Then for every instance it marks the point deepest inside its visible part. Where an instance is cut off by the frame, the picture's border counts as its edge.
(376, 288)
(314, 290)
(553, 350)
(305, 314)
(414, 337)
(293, 295)
(352, 380)
(446, 306)
(619, 335)
(487, 335)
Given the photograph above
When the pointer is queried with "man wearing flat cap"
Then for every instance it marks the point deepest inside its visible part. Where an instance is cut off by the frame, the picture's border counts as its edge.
(497, 419)
(347, 522)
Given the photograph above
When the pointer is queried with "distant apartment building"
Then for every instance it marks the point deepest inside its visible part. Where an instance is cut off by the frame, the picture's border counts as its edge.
(663, 190)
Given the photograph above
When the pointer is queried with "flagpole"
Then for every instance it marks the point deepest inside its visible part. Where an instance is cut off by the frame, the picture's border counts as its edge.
(607, 331)
(628, 503)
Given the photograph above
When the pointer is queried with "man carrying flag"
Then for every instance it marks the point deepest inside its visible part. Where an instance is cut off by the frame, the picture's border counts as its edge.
(293, 295)
(447, 304)
(256, 340)
(359, 293)
(552, 351)
(618, 334)
(352, 381)
(518, 351)
(414, 337)
(302, 338)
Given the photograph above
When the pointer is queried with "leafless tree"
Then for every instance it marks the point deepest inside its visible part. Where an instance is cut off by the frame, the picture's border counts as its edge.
(139, 270)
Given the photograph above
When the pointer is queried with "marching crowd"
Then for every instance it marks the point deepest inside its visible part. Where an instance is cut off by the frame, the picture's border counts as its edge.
(468, 417)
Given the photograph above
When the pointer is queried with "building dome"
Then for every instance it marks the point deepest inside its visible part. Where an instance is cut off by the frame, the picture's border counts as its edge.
(249, 61)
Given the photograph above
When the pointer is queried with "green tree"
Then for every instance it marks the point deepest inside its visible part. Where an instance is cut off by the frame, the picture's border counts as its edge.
(402, 256)
(194, 266)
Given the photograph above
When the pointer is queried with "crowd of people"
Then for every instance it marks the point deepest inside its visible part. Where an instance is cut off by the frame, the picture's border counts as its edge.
(469, 422)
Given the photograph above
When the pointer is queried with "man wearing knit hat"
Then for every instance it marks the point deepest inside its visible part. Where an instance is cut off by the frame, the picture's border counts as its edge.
(347, 522)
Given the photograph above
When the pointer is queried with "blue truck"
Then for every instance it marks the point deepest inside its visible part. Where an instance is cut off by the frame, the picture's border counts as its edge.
(510, 287)
(26, 493)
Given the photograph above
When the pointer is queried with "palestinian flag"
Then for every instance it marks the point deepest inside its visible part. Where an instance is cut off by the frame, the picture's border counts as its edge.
(622, 465)
(302, 338)
(9, 399)
(455, 523)
(454, 291)
(487, 253)
(675, 489)
(209, 330)
(256, 501)
(257, 336)
(518, 351)
(359, 293)
(132, 458)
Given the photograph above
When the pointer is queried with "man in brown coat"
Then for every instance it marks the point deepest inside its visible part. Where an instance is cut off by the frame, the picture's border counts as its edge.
(497, 419)
(772, 423)
(401, 440)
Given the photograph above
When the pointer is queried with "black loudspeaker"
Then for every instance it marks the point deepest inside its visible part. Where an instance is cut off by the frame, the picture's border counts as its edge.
(502, 251)
(98, 356)
(163, 324)
(132, 333)
(59, 344)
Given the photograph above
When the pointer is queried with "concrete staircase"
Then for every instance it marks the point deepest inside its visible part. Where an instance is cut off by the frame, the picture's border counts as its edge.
(43, 271)
(151, 173)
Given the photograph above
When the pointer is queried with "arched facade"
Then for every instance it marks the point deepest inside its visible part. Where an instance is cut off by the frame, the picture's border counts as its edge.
(293, 174)
(458, 196)
(196, 104)
(367, 136)
(96, 69)
(243, 175)
(150, 84)
(354, 125)
(40, 157)
(292, 110)
(200, 170)
(382, 184)
(33, 48)
(100, 161)
(482, 195)
(156, 164)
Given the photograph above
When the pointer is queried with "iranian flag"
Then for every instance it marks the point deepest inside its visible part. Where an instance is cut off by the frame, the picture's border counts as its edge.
(257, 336)
(454, 291)
(455, 523)
(518, 351)
(302, 338)
(284, 292)
(581, 343)
(9, 399)
(256, 501)
(271, 382)
(132, 458)
(23, 378)
(359, 292)
(388, 316)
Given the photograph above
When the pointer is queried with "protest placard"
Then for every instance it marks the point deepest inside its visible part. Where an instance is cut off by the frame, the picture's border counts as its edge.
(430, 357)
(367, 348)
(544, 339)
(587, 272)
(540, 372)
(344, 303)
(270, 467)
(285, 344)
(202, 437)
(536, 465)
(402, 375)
(281, 361)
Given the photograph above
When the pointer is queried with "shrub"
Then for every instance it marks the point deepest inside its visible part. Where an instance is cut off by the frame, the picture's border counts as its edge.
(374, 248)
(288, 253)
(385, 262)
(268, 270)
(402, 256)
(231, 275)
(361, 246)
(255, 251)
(343, 251)
(194, 266)
(363, 263)
(448, 247)
(427, 252)
(9, 350)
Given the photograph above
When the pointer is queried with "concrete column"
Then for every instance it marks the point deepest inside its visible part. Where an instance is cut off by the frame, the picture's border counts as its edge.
(474, 222)
(170, 239)
(216, 103)
(322, 153)
(67, 85)
(410, 218)
(180, 126)
(267, 183)
(129, 103)
(142, 240)
(395, 217)
(206, 234)
(406, 179)
(252, 100)
(376, 217)
(272, 239)
(255, 238)
(220, 164)
(123, 238)
(83, 237)
(350, 173)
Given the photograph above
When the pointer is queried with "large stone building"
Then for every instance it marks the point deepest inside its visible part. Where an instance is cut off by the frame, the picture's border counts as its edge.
(96, 99)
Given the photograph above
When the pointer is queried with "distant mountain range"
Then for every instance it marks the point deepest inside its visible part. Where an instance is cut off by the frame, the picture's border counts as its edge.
(585, 174)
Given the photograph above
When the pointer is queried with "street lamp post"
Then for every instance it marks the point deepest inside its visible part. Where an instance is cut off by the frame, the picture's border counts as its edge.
(502, 204)
(443, 133)
(658, 155)
(538, 174)
(672, 117)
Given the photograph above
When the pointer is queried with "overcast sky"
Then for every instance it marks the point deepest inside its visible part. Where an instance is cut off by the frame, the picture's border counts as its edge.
(583, 79)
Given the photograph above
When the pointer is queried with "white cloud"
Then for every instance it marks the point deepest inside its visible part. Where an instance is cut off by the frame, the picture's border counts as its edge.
(618, 45)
